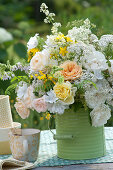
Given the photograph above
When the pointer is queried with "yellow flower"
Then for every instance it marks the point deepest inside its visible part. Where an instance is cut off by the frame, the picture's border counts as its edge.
(60, 37)
(41, 72)
(25, 125)
(53, 82)
(63, 51)
(68, 39)
(42, 77)
(50, 77)
(64, 93)
(39, 77)
(12, 101)
(48, 116)
(41, 118)
(31, 53)
(53, 55)
(36, 75)
(31, 76)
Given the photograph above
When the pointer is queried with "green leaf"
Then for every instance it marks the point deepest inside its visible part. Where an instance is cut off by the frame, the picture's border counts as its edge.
(10, 89)
(14, 79)
(8, 43)
(80, 85)
(41, 42)
(20, 49)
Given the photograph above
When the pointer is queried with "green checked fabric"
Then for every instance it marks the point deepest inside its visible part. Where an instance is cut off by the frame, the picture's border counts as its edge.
(48, 151)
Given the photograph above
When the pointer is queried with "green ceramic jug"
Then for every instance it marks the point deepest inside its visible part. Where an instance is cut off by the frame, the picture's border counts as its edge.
(76, 138)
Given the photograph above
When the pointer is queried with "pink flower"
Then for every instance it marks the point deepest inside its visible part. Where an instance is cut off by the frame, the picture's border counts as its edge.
(40, 105)
(28, 97)
(21, 109)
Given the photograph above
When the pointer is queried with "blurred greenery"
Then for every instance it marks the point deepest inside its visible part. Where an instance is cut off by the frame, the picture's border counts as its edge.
(23, 19)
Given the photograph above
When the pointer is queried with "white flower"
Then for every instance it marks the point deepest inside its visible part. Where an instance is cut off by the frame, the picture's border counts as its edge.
(39, 61)
(57, 107)
(82, 33)
(54, 29)
(100, 115)
(111, 68)
(33, 42)
(105, 40)
(93, 38)
(95, 61)
(5, 36)
(43, 7)
(51, 97)
(49, 16)
(54, 105)
(21, 90)
(51, 42)
(98, 96)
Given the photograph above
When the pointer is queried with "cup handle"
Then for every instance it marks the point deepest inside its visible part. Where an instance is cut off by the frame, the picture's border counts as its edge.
(25, 146)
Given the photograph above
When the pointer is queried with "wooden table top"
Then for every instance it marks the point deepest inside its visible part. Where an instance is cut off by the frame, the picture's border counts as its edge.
(101, 166)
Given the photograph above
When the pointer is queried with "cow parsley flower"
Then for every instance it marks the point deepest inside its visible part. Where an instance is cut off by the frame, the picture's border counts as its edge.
(33, 42)
(49, 16)
(54, 29)
(82, 33)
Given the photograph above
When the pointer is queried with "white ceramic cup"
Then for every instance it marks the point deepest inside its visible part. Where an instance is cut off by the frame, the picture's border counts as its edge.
(4, 139)
(26, 146)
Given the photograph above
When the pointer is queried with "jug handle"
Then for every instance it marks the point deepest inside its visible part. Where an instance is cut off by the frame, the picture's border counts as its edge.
(25, 146)
(59, 137)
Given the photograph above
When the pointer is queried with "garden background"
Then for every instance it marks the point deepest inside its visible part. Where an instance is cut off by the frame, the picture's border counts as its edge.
(23, 19)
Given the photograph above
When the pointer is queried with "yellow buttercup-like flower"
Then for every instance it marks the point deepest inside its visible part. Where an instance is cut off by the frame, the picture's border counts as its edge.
(31, 53)
(60, 36)
(63, 92)
(68, 39)
(63, 51)
(31, 76)
(48, 116)
(42, 77)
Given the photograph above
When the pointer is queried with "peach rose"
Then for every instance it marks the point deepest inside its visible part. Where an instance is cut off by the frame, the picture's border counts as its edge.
(40, 105)
(28, 97)
(21, 109)
(71, 70)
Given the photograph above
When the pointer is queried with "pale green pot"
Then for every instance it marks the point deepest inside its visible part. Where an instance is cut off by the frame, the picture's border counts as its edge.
(76, 138)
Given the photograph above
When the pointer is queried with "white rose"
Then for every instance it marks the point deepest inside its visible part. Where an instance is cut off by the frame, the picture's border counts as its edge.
(39, 61)
(95, 61)
(33, 42)
(100, 115)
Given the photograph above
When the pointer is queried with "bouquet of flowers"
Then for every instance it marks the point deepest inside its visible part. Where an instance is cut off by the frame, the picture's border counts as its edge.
(65, 71)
